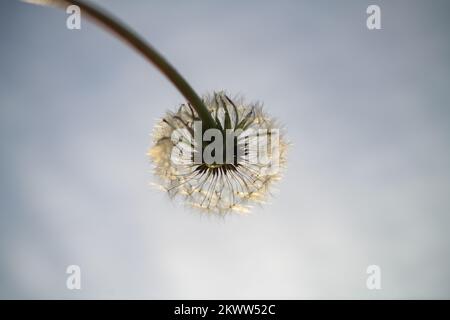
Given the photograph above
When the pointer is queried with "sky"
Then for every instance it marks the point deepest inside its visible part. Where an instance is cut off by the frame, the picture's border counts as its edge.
(367, 179)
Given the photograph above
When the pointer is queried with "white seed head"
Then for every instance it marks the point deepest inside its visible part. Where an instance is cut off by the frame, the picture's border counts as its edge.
(238, 172)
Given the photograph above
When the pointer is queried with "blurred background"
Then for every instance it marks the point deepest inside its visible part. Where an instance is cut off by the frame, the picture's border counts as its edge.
(368, 179)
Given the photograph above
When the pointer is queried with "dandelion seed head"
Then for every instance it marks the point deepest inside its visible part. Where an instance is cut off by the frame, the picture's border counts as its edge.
(219, 187)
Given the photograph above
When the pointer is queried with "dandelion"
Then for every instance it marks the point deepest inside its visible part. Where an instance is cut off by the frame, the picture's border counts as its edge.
(219, 186)
(218, 154)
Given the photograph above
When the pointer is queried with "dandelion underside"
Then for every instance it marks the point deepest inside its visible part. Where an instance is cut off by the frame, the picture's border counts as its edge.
(218, 187)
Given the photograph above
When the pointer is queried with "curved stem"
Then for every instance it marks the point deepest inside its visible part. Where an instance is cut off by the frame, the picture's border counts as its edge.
(131, 38)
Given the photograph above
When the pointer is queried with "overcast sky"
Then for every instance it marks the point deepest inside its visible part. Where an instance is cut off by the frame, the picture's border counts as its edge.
(368, 179)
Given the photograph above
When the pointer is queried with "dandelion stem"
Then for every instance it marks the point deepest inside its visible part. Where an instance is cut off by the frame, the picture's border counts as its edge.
(135, 41)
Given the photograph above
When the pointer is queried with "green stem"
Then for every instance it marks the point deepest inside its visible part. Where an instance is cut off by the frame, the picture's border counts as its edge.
(131, 38)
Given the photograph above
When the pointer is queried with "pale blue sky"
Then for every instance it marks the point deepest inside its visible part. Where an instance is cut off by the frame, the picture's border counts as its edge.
(368, 175)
